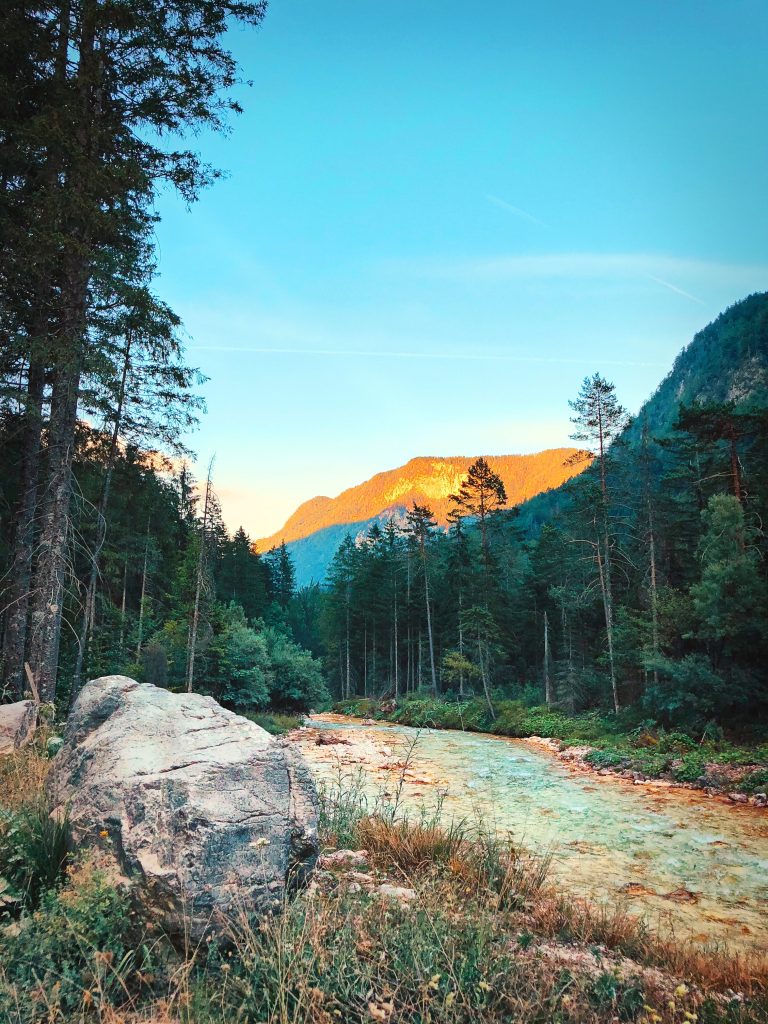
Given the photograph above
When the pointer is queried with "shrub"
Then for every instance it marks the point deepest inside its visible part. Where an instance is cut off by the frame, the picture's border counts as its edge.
(33, 854)
(70, 955)
(608, 759)
(755, 782)
(274, 723)
(691, 767)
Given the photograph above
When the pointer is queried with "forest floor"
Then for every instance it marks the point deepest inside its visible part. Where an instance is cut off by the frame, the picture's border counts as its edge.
(405, 920)
(592, 742)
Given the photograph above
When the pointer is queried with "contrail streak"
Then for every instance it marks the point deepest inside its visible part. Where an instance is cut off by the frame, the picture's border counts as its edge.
(515, 210)
(674, 288)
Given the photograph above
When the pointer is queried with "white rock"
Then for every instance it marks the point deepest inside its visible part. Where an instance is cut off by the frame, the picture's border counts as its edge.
(202, 809)
(344, 858)
(17, 725)
(397, 892)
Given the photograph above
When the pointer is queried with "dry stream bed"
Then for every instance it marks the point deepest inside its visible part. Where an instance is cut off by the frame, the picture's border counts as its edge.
(682, 859)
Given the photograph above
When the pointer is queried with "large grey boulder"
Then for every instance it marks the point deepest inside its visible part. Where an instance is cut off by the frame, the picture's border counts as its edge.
(204, 811)
(17, 725)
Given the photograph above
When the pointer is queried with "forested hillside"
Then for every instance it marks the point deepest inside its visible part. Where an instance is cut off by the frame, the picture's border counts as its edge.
(641, 583)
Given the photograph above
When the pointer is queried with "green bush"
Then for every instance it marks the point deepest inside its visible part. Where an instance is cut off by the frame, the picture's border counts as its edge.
(510, 718)
(608, 759)
(33, 856)
(676, 742)
(691, 767)
(72, 953)
(755, 782)
(275, 724)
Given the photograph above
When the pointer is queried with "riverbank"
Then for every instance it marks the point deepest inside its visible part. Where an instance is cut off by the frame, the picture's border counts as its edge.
(681, 858)
(404, 922)
(594, 743)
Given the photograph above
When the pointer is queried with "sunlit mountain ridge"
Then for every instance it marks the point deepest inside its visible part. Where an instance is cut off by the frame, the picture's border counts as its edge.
(425, 480)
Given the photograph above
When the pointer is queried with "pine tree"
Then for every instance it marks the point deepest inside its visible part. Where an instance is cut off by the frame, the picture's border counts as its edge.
(119, 77)
(480, 495)
(599, 420)
(282, 575)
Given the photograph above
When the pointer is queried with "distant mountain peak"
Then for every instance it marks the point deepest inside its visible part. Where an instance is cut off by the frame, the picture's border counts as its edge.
(427, 480)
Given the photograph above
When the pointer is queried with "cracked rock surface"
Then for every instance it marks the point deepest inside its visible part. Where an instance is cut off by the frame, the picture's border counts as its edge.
(201, 809)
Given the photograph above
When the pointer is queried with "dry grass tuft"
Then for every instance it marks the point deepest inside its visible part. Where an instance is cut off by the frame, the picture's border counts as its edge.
(410, 847)
(22, 777)
(615, 928)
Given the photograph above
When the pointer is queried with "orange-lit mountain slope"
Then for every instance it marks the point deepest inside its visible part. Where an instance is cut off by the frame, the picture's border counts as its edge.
(428, 481)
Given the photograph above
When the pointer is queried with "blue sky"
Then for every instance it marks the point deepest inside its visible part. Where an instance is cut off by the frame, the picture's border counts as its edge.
(439, 217)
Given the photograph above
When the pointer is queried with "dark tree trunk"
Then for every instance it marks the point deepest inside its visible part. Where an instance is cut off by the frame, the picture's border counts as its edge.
(101, 530)
(17, 595)
(50, 575)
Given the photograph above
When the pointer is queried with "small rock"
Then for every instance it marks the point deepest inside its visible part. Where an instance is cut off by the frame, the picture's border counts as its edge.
(17, 725)
(682, 895)
(344, 857)
(636, 889)
(329, 739)
(397, 892)
(354, 887)
(738, 798)
(361, 878)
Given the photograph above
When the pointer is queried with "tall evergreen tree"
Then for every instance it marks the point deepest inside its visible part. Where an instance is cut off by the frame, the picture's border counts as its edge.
(599, 420)
(421, 523)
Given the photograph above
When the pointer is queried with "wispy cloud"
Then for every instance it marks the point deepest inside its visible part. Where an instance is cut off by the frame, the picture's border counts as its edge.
(344, 353)
(590, 264)
(515, 210)
(598, 266)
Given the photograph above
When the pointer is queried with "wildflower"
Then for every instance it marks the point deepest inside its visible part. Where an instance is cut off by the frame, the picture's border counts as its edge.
(681, 990)
(691, 1016)
(103, 833)
(434, 982)
(450, 999)
(261, 841)
(484, 986)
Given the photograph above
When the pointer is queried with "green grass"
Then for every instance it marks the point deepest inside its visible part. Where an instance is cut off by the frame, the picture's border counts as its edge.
(33, 855)
(274, 723)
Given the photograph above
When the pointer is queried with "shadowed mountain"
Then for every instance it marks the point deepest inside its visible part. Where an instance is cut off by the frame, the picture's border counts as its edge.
(726, 361)
(315, 530)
